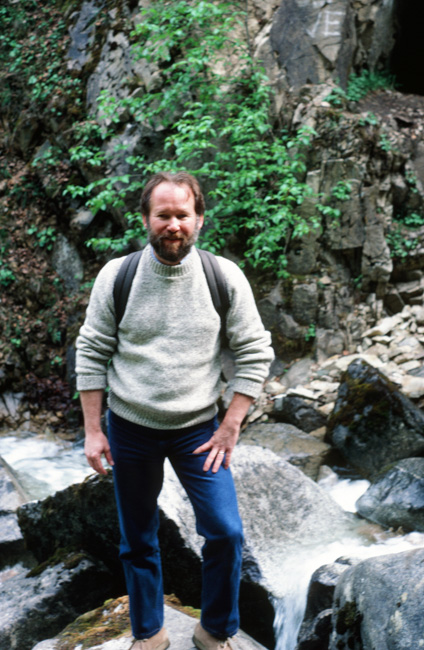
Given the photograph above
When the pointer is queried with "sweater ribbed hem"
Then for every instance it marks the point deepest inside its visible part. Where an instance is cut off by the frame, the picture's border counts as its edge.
(160, 420)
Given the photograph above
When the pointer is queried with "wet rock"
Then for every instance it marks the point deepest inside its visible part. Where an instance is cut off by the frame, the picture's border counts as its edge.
(11, 541)
(39, 603)
(108, 628)
(285, 495)
(373, 423)
(378, 603)
(291, 444)
(396, 498)
(298, 411)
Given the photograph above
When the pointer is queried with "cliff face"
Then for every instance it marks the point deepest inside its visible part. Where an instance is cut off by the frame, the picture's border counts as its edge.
(364, 163)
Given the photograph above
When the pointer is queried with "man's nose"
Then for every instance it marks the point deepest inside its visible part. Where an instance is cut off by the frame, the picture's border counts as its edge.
(173, 224)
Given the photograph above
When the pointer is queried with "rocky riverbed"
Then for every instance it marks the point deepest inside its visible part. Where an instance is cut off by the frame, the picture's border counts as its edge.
(356, 413)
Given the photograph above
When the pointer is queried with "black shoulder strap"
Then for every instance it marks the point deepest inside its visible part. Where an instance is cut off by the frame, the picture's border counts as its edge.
(123, 282)
(214, 276)
(217, 286)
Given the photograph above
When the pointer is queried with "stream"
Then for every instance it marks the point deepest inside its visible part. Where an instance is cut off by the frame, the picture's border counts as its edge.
(45, 465)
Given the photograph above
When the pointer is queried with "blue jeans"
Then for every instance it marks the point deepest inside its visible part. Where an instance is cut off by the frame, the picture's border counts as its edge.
(138, 453)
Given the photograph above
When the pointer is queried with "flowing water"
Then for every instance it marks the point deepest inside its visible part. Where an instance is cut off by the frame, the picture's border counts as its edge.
(297, 571)
(43, 466)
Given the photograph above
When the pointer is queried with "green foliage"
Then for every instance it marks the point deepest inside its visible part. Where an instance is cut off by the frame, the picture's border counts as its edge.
(33, 39)
(311, 332)
(214, 103)
(44, 238)
(400, 238)
(7, 276)
(359, 86)
(342, 191)
(368, 119)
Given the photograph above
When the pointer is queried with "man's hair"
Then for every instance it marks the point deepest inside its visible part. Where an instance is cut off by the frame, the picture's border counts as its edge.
(177, 178)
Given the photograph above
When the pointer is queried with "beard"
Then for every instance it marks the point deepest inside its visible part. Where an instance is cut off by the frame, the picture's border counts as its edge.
(173, 252)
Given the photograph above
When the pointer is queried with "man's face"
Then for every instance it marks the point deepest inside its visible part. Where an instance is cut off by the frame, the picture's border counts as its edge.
(173, 225)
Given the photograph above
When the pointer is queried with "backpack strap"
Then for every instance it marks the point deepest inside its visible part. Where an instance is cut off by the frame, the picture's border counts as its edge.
(214, 276)
(123, 282)
(217, 287)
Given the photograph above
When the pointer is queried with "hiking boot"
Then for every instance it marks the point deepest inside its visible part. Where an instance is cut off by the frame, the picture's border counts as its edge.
(205, 641)
(158, 641)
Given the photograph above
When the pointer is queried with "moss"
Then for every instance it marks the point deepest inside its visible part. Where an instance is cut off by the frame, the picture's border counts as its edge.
(349, 620)
(68, 556)
(110, 621)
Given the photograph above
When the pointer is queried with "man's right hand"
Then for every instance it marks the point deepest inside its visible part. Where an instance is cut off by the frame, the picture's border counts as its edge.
(96, 445)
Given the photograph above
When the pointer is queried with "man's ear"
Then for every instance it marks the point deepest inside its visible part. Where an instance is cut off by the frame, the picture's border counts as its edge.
(200, 220)
(145, 220)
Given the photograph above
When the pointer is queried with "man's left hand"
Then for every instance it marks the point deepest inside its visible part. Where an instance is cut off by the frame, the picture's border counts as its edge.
(224, 439)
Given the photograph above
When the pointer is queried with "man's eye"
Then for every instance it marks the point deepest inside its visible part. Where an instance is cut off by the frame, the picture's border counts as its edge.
(182, 216)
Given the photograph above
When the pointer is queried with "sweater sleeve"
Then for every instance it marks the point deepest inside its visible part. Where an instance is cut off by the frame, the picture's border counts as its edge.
(248, 339)
(97, 340)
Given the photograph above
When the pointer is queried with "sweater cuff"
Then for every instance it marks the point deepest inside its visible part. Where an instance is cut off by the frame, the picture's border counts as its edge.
(91, 382)
(246, 387)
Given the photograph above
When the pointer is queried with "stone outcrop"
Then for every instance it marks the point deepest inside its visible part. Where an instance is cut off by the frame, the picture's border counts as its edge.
(396, 498)
(377, 603)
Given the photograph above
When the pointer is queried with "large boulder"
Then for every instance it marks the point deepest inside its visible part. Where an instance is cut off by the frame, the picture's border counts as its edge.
(378, 604)
(289, 443)
(396, 498)
(373, 424)
(315, 630)
(108, 628)
(38, 603)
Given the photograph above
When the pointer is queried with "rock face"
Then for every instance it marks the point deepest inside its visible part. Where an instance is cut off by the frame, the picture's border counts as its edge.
(373, 424)
(378, 604)
(396, 499)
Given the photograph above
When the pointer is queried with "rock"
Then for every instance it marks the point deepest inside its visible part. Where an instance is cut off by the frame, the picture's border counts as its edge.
(289, 443)
(39, 603)
(12, 544)
(373, 424)
(315, 630)
(305, 303)
(413, 387)
(298, 411)
(82, 516)
(396, 498)
(67, 263)
(329, 343)
(298, 373)
(378, 604)
(111, 624)
(82, 34)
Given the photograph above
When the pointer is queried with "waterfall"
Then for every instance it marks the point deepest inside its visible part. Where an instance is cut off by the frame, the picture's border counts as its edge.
(297, 571)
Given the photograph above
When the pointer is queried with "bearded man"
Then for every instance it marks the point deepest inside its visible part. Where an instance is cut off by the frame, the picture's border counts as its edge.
(162, 366)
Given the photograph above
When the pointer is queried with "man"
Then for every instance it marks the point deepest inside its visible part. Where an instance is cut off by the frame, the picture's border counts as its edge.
(163, 371)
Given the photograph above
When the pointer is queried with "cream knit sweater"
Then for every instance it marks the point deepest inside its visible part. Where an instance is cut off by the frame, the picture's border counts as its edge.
(163, 366)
